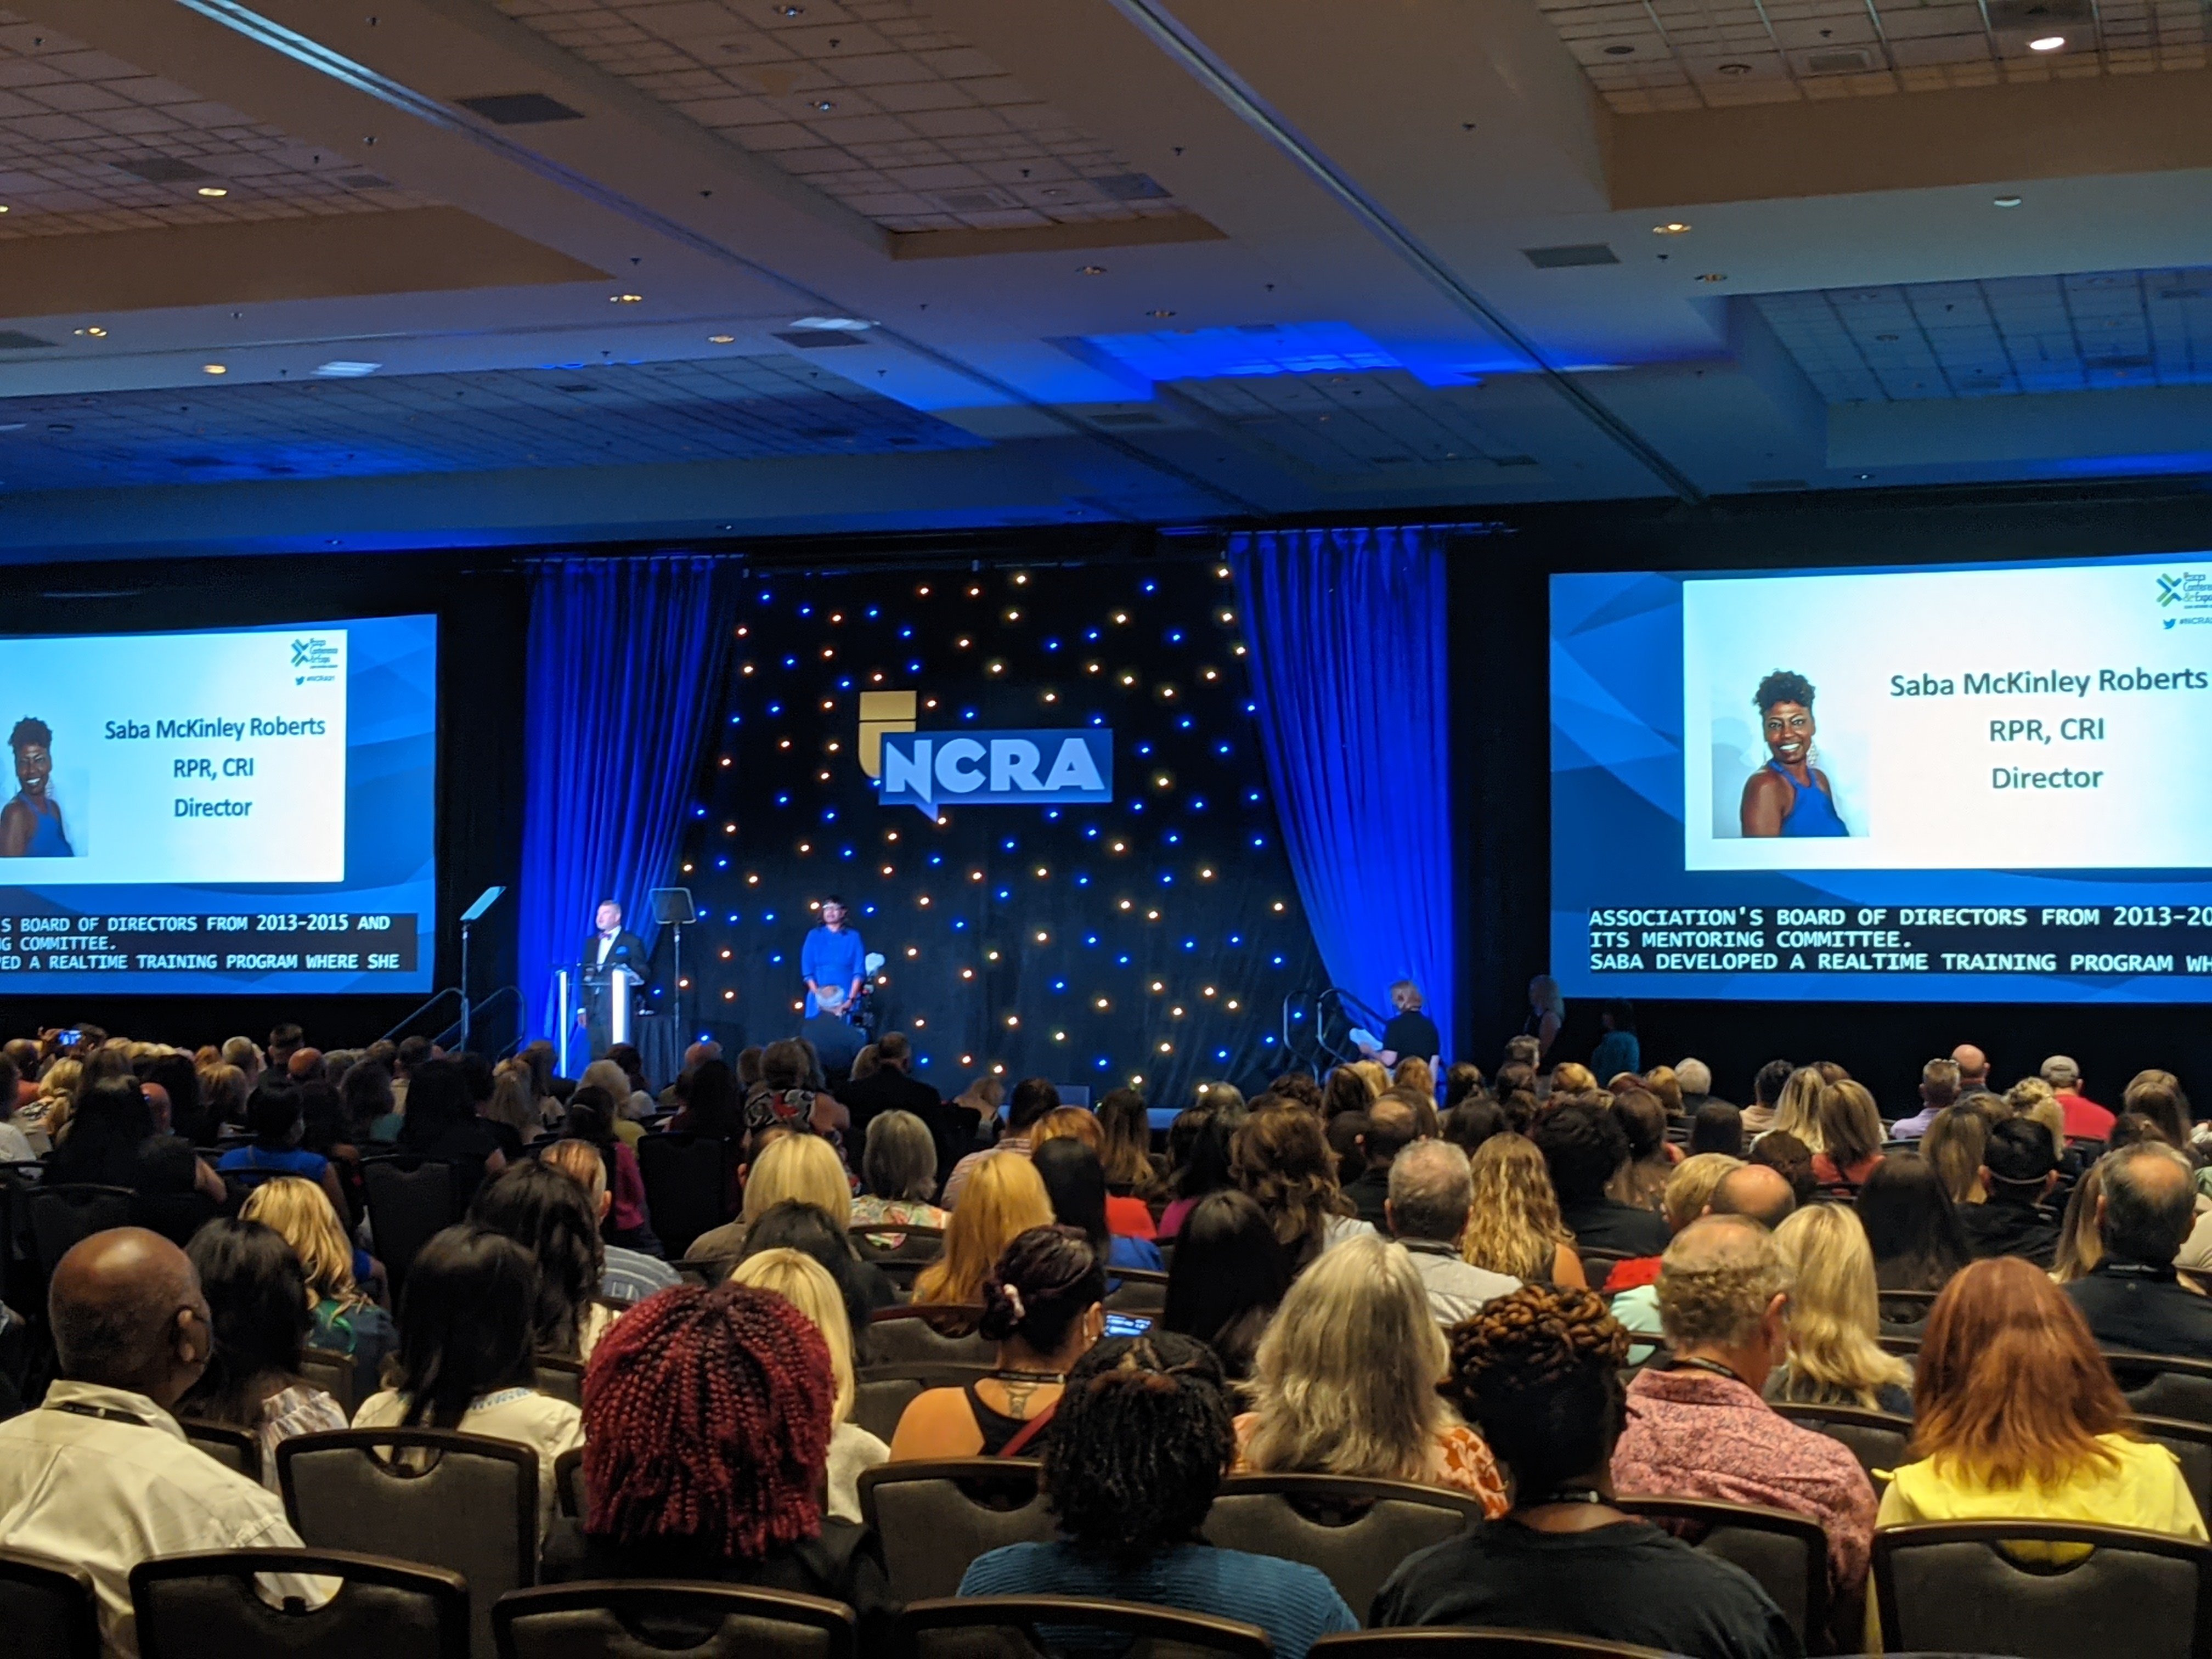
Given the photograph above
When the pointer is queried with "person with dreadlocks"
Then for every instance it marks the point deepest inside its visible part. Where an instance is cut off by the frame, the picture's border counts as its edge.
(1142, 1443)
(707, 1422)
(1538, 1372)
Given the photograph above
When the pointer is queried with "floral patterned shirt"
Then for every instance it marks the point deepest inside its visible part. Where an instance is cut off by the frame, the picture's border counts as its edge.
(1458, 1461)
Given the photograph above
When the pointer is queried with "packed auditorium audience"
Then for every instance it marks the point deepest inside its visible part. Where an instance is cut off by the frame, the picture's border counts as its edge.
(1542, 1294)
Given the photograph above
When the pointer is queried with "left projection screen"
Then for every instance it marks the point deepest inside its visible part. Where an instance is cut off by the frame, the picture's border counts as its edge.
(244, 810)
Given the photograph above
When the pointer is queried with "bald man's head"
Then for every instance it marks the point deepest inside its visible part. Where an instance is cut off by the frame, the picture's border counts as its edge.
(1757, 1190)
(127, 1313)
(1973, 1066)
(1392, 1126)
(2147, 1205)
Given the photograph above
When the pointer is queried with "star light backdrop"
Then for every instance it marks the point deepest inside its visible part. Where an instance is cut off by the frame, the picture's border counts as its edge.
(1154, 938)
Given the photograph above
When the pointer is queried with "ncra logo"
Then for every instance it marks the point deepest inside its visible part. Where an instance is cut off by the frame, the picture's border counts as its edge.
(923, 770)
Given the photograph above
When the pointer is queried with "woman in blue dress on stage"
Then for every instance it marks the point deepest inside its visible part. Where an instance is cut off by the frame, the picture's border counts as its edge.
(1790, 795)
(31, 824)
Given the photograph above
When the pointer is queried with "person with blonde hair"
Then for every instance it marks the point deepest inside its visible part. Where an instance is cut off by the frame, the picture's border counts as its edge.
(1410, 1034)
(346, 1321)
(513, 1105)
(49, 1110)
(1571, 1076)
(1513, 1225)
(1373, 1073)
(1835, 1315)
(1416, 1080)
(1797, 1112)
(805, 1283)
(1003, 1199)
(1850, 1136)
(1346, 1381)
(1547, 1011)
(628, 1275)
(793, 1164)
(1634, 1297)
(2159, 1097)
(1954, 1147)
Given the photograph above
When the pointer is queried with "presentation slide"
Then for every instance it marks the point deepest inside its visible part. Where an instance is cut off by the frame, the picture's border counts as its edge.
(1957, 783)
(246, 809)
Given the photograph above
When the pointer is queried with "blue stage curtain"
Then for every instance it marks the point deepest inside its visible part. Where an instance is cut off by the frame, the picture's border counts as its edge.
(1346, 632)
(625, 664)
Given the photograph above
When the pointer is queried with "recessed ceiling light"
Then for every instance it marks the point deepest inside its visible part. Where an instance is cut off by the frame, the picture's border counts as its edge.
(1671, 227)
(1714, 277)
(721, 339)
(214, 368)
(1735, 69)
(342, 368)
(2006, 201)
(3, 207)
(213, 190)
(1162, 313)
(834, 325)
(95, 331)
(1619, 51)
(1091, 271)
(825, 105)
(791, 11)
(2046, 43)
(624, 299)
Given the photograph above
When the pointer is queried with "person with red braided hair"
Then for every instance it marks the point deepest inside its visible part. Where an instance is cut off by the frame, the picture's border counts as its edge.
(1142, 1442)
(1538, 1372)
(707, 1425)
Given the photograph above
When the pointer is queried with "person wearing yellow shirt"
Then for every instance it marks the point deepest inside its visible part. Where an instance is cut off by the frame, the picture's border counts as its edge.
(2015, 1416)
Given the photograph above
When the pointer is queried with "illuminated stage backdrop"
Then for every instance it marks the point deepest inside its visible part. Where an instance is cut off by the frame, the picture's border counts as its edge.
(1041, 795)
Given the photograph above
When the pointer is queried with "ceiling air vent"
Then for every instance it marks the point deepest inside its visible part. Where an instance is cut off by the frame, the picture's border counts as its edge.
(1854, 62)
(1570, 254)
(819, 339)
(363, 181)
(977, 201)
(1775, 483)
(2037, 14)
(2181, 294)
(160, 169)
(1129, 187)
(520, 109)
(14, 339)
(2135, 360)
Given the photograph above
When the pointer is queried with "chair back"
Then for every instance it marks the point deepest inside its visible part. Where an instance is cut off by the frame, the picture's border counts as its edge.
(1140, 1289)
(916, 1244)
(1877, 1439)
(1598, 1265)
(569, 1491)
(1472, 1644)
(1001, 1626)
(175, 1216)
(1786, 1553)
(933, 1519)
(881, 1393)
(333, 1373)
(434, 1496)
(644, 1616)
(408, 1199)
(204, 1606)
(2191, 1444)
(1964, 1586)
(1355, 1532)
(2159, 1386)
(64, 1212)
(48, 1607)
(701, 1272)
(904, 1336)
(233, 1448)
(562, 1378)
(687, 1185)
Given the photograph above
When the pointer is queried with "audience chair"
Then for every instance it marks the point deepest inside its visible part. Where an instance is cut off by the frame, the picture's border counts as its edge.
(903, 1335)
(205, 1606)
(1955, 1586)
(234, 1449)
(1598, 1265)
(568, 1483)
(1877, 1439)
(434, 1496)
(1906, 1309)
(1786, 1553)
(701, 1272)
(919, 1245)
(687, 1185)
(646, 1616)
(1136, 1291)
(562, 1378)
(2158, 1385)
(2192, 1442)
(331, 1372)
(1906, 1344)
(408, 1199)
(933, 1519)
(1355, 1531)
(971, 1627)
(175, 1216)
(1455, 1643)
(18, 1249)
(881, 1393)
(63, 1213)
(48, 1607)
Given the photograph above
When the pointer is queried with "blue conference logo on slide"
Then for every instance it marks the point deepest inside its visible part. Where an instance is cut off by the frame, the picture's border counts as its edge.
(2190, 593)
(928, 769)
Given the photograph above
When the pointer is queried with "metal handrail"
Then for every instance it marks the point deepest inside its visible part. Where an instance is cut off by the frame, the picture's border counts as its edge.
(476, 1013)
(432, 1002)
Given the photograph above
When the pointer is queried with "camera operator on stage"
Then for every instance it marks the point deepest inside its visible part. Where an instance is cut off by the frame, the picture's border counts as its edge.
(610, 946)
(834, 963)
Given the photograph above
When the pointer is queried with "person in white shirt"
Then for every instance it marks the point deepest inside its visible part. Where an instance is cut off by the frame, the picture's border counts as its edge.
(1432, 1190)
(100, 1476)
(468, 1353)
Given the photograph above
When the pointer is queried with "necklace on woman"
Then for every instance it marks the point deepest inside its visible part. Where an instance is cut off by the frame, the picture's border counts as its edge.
(1021, 1385)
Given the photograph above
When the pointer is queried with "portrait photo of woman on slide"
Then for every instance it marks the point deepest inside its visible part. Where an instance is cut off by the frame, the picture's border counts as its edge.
(31, 823)
(1790, 795)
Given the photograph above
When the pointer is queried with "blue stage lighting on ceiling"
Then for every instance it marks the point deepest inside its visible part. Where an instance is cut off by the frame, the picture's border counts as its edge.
(1174, 636)
(698, 811)
(907, 633)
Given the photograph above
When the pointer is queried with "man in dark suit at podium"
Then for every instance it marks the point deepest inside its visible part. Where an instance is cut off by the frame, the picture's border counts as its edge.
(610, 946)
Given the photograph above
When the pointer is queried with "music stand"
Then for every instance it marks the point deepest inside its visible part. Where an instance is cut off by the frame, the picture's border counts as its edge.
(672, 908)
